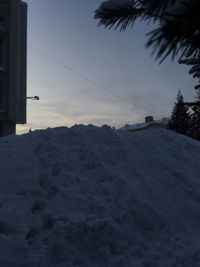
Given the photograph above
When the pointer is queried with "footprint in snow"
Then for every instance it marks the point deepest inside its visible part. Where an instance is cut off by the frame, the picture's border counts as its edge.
(55, 169)
(47, 186)
(37, 207)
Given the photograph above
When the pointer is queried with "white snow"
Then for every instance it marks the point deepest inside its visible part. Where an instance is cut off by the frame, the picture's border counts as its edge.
(90, 197)
(143, 125)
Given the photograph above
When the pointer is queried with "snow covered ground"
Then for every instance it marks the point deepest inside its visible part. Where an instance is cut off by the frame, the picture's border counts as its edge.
(90, 197)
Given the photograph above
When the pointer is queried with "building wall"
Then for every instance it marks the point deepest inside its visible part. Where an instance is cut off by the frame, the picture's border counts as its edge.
(13, 50)
(4, 20)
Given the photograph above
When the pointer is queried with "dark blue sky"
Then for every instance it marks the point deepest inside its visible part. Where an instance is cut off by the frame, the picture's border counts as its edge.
(66, 32)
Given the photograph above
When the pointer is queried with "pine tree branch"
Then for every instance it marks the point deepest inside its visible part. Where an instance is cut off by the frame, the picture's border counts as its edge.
(178, 33)
(114, 14)
(195, 70)
(179, 30)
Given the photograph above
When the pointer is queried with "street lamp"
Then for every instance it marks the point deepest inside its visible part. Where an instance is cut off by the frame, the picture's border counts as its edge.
(33, 97)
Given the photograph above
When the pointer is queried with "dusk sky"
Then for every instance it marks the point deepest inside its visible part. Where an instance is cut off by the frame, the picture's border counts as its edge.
(63, 35)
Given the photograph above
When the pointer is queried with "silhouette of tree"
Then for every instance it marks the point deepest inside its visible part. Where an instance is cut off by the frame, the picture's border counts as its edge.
(195, 129)
(180, 118)
(178, 33)
(195, 70)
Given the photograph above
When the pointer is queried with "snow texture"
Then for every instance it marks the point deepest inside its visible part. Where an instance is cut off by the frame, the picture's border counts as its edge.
(90, 197)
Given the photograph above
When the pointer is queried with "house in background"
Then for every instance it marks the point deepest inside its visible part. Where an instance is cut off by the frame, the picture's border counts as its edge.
(13, 50)
(149, 123)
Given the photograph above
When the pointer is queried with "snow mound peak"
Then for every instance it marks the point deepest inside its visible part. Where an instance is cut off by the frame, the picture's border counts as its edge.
(87, 196)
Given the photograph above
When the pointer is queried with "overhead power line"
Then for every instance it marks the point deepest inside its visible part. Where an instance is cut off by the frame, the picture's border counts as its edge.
(97, 85)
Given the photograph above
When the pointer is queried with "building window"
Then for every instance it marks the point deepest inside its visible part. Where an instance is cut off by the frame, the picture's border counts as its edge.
(1, 51)
(2, 20)
(3, 55)
(3, 91)
(1, 94)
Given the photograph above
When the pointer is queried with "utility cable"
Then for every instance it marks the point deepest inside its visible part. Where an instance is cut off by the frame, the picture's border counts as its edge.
(97, 85)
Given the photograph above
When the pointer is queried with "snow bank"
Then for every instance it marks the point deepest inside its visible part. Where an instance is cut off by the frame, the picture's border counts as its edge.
(90, 197)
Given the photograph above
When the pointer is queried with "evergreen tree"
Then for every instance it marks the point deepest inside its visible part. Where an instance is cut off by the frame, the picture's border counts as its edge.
(195, 129)
(180, 118)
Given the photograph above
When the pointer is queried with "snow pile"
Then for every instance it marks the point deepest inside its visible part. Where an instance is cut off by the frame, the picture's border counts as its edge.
(90, 197)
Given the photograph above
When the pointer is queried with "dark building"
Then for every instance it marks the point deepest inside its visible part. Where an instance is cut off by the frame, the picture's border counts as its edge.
(13, 50)
(148, 119)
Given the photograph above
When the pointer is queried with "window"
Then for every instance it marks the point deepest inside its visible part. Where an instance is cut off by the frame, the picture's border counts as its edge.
(2, 20)
(3, 91)
(1, 51)
(3, 54)
(1, 94)
(4, 12)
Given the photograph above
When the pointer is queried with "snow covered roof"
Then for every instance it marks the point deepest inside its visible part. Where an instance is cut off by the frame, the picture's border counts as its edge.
(144, 125)
(88, 196)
